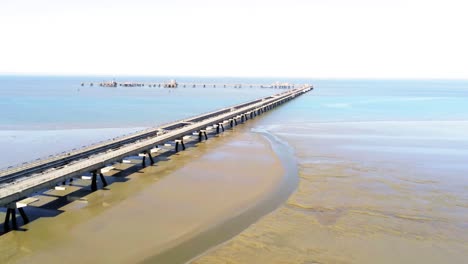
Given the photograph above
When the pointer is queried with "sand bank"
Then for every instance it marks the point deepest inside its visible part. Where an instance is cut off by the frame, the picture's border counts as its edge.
(230, 179)
(362, 205)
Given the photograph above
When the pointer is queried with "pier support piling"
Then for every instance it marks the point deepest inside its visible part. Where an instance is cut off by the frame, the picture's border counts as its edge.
(6, 223)
(202, 133)
(181, 142)
(23, 215)
(94, 180)
(13, 219)
(150, 157)
(103, 180)
(11, 215)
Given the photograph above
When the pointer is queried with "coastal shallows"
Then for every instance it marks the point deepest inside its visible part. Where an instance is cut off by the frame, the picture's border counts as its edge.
(19, 183)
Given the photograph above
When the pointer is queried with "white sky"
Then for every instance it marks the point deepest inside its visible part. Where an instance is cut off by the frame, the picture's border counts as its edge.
(291, 38)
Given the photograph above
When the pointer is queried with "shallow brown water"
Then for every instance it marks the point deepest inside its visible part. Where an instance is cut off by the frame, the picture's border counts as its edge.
(157, 208)
(364, 197)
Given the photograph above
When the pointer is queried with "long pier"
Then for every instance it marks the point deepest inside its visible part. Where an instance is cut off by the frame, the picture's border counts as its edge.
(174, 84)
(19, 183)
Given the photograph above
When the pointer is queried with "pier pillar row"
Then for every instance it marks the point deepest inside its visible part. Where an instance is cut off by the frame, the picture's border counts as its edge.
(94, 180)
(202, 133)
(242, 119)
(11, 213)
(221, 125)
(150, 157)
(181, 142)
(143, 161)
(103, 179)
(231, 122)
(235, 120)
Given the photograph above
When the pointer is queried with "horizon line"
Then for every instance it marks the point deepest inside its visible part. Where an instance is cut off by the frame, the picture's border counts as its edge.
(225, 76)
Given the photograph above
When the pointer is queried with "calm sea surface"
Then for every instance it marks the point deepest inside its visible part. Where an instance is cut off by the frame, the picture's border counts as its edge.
(41, 116)
(383, 177)
(38, 111)
(382, 163)
(62, 103)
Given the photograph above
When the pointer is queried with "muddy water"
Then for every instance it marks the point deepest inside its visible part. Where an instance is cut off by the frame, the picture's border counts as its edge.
(185, 203)
(369, 192)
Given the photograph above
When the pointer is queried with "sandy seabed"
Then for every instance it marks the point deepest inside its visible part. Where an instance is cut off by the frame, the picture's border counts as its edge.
(366, 195)
(146, 212)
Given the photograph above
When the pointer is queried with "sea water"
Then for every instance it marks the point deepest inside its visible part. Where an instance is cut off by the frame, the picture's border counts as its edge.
(46, 115)
(383, 177)
(382, 163)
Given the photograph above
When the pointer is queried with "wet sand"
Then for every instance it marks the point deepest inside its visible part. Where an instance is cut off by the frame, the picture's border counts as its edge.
(380, 192)
(233, 178)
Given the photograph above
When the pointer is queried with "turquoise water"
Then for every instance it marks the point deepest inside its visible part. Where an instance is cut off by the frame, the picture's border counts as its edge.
(42, 115)
(62, 103)
(32, 102)
(418, 125)
(383, 100)
(32, 106)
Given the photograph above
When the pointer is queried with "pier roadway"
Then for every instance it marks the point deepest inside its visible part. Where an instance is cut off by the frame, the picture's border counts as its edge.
(16, 184)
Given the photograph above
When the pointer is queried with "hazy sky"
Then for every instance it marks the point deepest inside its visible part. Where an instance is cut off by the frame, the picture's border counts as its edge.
(293, 38)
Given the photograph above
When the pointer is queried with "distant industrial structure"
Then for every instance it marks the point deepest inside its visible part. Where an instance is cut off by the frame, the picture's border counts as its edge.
(175, 84)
